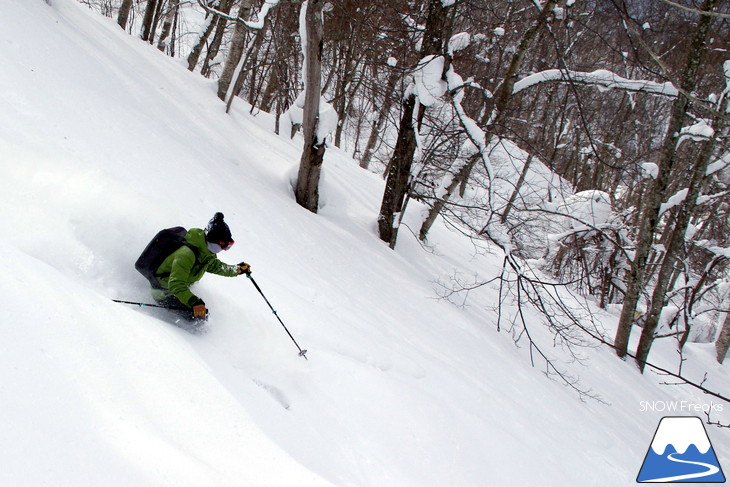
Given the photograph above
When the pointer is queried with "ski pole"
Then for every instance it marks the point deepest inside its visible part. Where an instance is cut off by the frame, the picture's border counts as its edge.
(302, 353)
(149, 305)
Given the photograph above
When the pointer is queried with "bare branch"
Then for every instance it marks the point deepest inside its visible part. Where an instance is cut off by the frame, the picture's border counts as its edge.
(696, 11)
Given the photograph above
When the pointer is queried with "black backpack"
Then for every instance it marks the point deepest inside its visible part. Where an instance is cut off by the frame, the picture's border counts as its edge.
(162, 245)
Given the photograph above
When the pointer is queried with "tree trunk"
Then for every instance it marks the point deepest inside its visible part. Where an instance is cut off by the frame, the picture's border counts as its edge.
(310, 166)
(723, 340)
(197, 49)
(167, 25)
(272, 86)
(382, 117)
(518, 186)
(253, 66)
(655, 196)
(396, 186)
(149, 16)
(215, 45)
(399, 174)
(236, 53)
(123, 16)
(674, 247)
(155, 21)
(345, 78)
(239, 76)
(175, 25)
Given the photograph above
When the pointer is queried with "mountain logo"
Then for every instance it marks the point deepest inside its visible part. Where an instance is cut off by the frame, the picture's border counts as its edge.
(681, 452)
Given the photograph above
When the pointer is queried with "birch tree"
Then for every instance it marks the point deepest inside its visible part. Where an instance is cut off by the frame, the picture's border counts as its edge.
(167, 27)
(315, 126)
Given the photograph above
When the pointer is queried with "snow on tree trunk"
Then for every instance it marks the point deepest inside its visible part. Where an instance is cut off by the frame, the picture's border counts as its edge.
(601, 78)
(310, 165)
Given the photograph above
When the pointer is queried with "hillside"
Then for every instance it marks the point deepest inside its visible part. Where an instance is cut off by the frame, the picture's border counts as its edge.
(104, 141)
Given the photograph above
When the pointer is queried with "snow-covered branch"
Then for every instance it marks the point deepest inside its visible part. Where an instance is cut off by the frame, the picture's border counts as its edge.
(699, 131)
(256, 25)
(718, 165)
(675, 200)
(601, 78)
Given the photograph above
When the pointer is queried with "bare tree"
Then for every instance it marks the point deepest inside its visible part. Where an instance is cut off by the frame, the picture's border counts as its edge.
(674, 249)
(655, 196)
(496, 117)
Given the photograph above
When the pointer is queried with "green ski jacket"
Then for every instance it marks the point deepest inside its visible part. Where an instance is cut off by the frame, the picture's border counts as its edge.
(183, 268)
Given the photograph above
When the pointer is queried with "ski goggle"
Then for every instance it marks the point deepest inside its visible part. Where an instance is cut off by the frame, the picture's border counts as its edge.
(226, 245)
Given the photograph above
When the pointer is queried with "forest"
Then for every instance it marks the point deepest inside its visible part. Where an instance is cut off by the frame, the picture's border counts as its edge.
(586, 139)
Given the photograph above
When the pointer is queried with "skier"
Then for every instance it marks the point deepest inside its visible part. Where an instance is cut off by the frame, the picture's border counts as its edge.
(186, 265)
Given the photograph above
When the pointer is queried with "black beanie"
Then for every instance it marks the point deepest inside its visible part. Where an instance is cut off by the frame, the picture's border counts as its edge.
(217, 230)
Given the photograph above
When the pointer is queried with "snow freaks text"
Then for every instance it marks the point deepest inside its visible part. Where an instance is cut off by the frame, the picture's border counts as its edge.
(682, 407)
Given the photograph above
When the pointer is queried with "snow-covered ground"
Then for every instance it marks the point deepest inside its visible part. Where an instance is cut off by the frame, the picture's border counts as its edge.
(104, 141)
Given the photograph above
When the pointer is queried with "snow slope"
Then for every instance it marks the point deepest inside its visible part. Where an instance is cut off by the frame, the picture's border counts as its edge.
(103, 141)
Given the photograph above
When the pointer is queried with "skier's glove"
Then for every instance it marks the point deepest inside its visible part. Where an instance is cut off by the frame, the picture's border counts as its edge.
(243, 268)
(199, 310)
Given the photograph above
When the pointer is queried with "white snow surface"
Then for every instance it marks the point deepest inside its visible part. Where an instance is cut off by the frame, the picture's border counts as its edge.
(104, 141)
(681, 433)
(587, 209)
